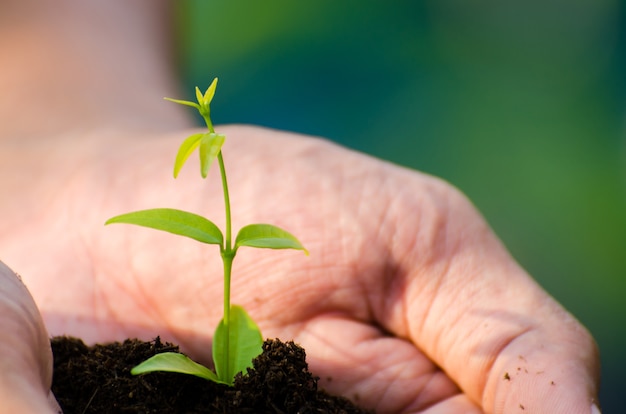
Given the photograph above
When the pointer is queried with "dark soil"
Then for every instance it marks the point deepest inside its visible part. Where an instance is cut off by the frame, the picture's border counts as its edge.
(97, 380)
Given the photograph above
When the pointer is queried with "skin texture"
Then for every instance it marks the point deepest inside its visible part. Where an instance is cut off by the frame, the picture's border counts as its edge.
(408, 302)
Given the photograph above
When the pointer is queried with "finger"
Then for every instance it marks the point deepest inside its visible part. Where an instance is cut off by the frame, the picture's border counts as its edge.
(372, 369)
(454, 405)
(25, 354)
(480, 317)
(544, 372)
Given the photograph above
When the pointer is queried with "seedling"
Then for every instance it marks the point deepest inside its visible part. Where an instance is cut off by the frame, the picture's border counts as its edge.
(237, 339)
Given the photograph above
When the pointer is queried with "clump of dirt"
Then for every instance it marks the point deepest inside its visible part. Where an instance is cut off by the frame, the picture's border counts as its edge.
(97, 379)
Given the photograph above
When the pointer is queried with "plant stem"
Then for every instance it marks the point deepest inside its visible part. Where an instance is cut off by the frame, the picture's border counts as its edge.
(228, 254)
(227, 241)
(228, 262)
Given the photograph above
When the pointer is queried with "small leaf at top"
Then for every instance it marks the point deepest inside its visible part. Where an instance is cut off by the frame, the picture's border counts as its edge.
(244, 344)
(174, 362)
(185, 150)
(199, 96)
(205, 100)
(210, 147)
(174, 221)
(267, 236)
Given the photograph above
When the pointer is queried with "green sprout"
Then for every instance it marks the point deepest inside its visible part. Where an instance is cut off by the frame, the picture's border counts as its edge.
(237, 339)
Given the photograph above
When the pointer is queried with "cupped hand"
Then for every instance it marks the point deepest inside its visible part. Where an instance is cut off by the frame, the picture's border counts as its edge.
(407, 303)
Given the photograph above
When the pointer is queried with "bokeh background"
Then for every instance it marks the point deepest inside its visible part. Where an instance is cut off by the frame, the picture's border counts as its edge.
(520, 104)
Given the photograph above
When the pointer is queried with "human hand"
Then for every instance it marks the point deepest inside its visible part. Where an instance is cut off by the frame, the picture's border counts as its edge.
(408, 302)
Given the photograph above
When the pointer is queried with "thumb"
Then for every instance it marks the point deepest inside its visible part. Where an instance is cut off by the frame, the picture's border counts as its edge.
(506, 343)
(25, 353)
(517, 349)
(547, 369)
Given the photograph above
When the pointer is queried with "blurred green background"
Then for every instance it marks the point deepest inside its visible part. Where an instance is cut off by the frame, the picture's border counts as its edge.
(520, 104)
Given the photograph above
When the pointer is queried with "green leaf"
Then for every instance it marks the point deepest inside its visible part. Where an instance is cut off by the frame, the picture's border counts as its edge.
(210, 147)
(182, 102)
(267, 236)
(244, 344)
(199, 96)
(173, 221)
(174, 362)
(205, 100)
(185, 150)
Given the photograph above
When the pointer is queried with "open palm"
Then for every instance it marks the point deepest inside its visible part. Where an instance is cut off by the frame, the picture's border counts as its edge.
(407, 303)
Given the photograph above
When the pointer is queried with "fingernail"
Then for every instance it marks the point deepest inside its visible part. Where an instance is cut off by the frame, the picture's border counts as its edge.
(595, 409)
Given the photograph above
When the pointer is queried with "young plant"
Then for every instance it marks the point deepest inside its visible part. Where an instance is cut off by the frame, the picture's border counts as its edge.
(237, 339)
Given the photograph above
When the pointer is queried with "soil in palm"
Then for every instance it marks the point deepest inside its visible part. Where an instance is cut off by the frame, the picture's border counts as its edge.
(97, 379)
